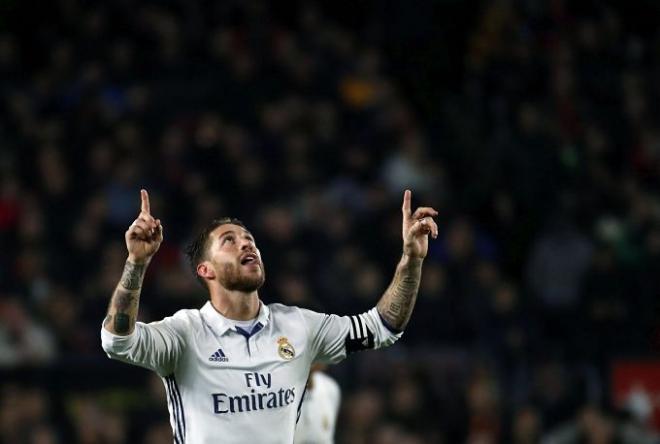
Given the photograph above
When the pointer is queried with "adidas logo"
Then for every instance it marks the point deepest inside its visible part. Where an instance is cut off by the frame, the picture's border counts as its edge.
(219, 356)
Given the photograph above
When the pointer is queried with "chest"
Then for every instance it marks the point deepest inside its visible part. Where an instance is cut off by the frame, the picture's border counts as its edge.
(267, 361)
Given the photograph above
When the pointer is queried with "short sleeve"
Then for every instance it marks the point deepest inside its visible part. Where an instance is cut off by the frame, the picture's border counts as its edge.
(157, 346)
(334, 337)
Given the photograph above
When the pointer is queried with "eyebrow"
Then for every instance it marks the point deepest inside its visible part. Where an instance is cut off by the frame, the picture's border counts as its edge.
(234, 232)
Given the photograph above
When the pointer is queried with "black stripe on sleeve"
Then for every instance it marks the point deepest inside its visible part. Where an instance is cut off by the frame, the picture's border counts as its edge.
(353, 329)
(362, 327)
(180, 401)
(178, 429)
(170, 403)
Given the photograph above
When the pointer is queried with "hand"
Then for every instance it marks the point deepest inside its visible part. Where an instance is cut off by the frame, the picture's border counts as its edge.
(144, 236)
(416, 228)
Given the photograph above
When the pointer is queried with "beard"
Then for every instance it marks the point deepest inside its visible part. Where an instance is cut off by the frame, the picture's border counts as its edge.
(233, 278)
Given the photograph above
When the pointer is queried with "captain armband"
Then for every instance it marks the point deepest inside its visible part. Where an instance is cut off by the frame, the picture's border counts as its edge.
(359, 337)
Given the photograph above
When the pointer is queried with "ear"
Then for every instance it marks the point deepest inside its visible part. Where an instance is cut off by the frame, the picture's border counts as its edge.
(205, 270)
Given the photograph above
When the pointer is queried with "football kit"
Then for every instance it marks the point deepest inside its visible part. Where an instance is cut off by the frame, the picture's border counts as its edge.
(235, 382)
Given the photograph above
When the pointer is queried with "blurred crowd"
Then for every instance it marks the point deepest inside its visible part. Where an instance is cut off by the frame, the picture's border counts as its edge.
(540, 147)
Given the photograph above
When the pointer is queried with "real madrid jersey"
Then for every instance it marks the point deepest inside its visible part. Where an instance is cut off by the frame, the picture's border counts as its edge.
(228, 385)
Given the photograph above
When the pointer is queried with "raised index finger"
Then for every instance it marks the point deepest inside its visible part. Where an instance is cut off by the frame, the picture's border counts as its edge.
(405, 208)
(145, 208)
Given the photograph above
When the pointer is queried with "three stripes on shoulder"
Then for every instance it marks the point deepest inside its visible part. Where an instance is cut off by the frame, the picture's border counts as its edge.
(359, 337)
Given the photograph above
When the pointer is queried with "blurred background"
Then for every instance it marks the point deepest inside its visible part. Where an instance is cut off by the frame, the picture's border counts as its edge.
(531, 125)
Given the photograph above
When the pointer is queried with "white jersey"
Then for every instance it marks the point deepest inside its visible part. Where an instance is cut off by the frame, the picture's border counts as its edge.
(319, 411)
(226, 385)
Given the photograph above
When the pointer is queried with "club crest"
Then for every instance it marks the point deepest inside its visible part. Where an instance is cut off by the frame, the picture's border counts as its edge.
(285, 349)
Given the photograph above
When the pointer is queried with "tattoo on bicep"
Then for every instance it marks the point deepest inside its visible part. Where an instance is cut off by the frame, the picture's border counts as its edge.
(122, 323)
(131, 279)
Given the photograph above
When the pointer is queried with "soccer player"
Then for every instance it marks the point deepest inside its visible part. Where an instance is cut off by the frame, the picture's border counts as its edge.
(236, 369)
(318, 417)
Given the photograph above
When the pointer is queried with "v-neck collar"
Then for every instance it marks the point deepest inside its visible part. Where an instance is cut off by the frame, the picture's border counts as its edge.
(222, 324)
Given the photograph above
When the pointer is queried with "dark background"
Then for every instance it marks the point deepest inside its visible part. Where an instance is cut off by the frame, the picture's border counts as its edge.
(530, 125)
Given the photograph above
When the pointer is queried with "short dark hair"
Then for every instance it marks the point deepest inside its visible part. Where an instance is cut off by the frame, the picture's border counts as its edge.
(196, 249)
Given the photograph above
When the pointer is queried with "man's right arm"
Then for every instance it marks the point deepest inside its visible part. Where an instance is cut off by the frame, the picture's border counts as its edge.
(123, 308)
(143, 238)
(158, 345)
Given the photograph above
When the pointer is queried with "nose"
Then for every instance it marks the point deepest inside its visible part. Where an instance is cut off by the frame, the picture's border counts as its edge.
(247, 245)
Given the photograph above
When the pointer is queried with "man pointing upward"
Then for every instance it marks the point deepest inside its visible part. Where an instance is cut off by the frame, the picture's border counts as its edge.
(236, 369)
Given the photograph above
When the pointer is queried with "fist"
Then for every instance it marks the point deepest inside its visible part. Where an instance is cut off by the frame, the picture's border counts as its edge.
(144, 236)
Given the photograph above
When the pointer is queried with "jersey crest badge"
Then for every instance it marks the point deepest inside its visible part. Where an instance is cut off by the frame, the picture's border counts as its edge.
(285, 349)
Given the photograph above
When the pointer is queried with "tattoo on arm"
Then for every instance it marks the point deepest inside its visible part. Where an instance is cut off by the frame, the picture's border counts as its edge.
(123, 300)
(122, 323)
(132, 277)
(398, 301)
(123, 308)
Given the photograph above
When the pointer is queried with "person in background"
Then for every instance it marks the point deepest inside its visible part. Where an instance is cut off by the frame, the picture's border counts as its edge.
(318, 417)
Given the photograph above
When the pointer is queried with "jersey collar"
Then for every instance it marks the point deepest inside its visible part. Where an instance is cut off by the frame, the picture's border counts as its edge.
(222, 324)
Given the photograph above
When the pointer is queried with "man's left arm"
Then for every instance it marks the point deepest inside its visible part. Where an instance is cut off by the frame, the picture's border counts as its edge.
(334, 337)
(396, 305)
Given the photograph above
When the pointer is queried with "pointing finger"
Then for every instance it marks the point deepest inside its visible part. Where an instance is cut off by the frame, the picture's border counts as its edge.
(405, 208)
(146, 208)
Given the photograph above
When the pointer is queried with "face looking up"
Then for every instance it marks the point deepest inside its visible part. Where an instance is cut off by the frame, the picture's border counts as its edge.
(233, 259)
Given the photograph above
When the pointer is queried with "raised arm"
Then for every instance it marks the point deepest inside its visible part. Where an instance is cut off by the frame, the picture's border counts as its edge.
(335, 337)
(143, 238)
(396, 304)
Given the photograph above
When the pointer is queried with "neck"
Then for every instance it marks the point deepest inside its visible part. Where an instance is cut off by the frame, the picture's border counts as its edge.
(235, 305)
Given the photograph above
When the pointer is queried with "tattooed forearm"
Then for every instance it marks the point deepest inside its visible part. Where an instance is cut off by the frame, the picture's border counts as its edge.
(123, 308)
(398, 301)
(122, 323)
(123, 300)
(133, 274)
